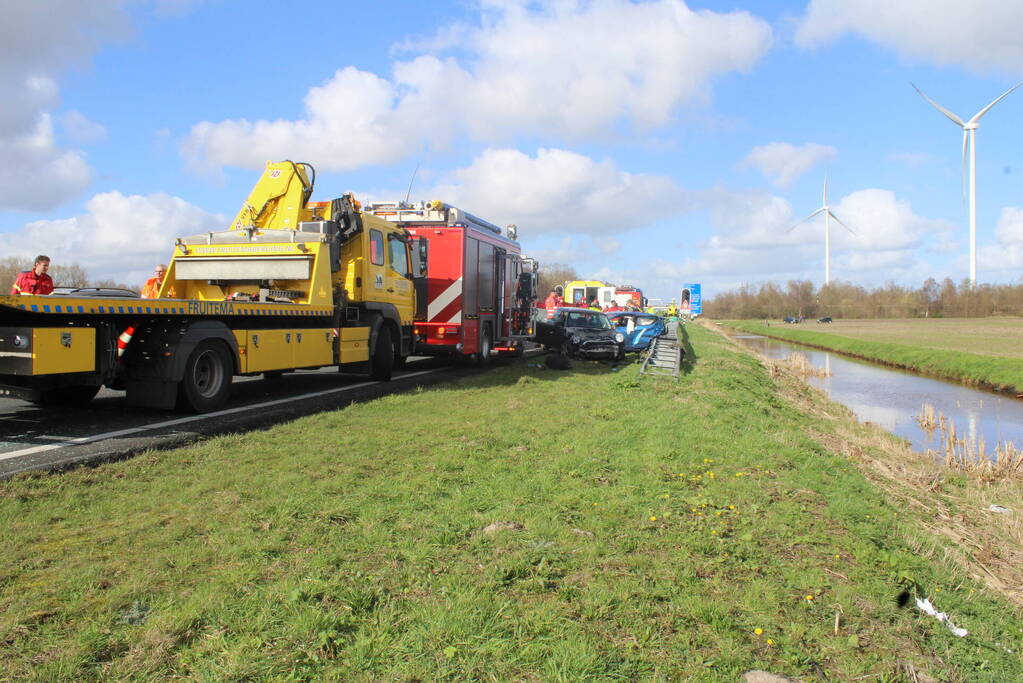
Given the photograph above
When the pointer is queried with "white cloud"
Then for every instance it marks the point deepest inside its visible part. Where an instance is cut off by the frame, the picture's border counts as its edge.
(557, 192)
(80, 129)
(38, 40)
(37, 174)
(570, 68)
(783, 163)
(1007, 252)
(978, 35)
(753, 241)
(883, 222)
(118, 237)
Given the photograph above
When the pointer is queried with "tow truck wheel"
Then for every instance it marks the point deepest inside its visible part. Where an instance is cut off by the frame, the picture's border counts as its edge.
(483, 355)
(382, 363)
(207, 381)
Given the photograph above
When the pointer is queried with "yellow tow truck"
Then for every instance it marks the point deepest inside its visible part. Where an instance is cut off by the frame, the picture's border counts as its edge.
(291, 284)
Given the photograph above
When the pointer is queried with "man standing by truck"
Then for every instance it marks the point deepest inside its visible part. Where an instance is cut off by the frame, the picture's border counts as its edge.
(34, 281)
(551, 304)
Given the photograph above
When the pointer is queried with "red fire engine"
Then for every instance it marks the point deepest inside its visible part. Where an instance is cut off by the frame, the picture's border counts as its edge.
(626, 295)
(478, 287)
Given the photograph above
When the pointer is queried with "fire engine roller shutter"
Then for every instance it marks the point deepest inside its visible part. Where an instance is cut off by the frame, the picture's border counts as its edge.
(470, 299)
(488, 272)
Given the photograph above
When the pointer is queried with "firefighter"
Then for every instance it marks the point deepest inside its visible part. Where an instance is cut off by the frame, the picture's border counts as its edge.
(594, 305)
(34, 281)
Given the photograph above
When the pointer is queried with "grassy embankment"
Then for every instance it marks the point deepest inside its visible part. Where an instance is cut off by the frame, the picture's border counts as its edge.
(924, 350)
(645, 529)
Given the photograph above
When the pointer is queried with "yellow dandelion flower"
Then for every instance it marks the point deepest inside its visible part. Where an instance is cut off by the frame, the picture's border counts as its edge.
(718, 513)
(770, 642)
(713, 531)
(731, 507)
(758, 631)
(652, 518)
(809, 598)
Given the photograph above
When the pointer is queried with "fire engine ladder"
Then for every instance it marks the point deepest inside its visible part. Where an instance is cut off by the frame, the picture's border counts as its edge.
(664, 356)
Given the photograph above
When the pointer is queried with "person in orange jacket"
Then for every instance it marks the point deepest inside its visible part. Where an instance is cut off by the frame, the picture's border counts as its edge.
(551, 304)
(34, 281)
(152, 288)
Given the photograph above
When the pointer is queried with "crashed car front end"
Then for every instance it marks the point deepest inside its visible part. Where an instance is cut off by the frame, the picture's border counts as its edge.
(606, 346)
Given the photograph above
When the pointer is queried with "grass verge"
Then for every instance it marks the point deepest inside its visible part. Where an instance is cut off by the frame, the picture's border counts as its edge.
(520, 524)
(997, 373)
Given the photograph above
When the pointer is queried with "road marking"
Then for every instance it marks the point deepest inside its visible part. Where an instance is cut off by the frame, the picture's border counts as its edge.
(194, 418)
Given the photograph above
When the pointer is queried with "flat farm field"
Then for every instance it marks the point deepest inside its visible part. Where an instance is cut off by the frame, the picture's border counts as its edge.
(986, 336)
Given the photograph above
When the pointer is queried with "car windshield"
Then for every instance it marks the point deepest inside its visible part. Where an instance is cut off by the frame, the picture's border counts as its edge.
(592, 321)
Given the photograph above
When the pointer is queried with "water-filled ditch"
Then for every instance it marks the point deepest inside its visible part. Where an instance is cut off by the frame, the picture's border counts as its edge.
(893, 399)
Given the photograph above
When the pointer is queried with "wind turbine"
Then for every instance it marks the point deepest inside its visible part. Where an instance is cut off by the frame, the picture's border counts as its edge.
(828, 214)
(969, 138)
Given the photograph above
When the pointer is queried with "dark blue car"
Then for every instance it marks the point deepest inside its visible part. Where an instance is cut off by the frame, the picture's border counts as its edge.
(639, 329)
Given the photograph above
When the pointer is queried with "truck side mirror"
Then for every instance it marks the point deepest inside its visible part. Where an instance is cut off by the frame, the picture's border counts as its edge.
(421, 261)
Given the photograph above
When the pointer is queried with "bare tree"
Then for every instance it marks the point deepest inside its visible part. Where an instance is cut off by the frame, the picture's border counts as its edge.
(554, 274)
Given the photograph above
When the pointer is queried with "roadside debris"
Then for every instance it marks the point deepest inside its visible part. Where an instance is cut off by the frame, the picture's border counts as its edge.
(999, 508)
(502, 526)
(926, 606)
(758, 676)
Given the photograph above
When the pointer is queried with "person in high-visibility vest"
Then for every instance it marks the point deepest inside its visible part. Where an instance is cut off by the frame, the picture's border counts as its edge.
(151, 290)
(551, 304)
(34, 281)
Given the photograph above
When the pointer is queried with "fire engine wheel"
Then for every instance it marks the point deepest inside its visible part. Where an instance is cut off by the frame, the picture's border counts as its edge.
(382, 362)
(207, 381)
(483, 355)
(68, 396)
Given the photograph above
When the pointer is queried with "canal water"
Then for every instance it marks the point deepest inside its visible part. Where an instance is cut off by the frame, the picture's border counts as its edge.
(893, 398)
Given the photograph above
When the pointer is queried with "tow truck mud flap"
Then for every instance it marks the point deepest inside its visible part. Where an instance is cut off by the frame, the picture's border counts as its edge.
(30, 351)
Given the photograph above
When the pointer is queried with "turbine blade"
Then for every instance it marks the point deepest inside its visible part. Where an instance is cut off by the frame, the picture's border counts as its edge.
(825, 190)
(805, 219)
(1001, 97)
(946, 112)
(966, 136)
(841, 223)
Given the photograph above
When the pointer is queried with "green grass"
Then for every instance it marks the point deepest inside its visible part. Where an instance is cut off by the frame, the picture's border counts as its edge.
(984, 336)
(993, 371)
(662, 524)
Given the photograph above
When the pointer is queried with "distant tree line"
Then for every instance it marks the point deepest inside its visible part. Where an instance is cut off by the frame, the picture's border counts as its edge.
(845, 300)
(63, 274)
(552, 275)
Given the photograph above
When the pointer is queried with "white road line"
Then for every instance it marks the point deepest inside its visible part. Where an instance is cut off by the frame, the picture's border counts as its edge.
(193, 418)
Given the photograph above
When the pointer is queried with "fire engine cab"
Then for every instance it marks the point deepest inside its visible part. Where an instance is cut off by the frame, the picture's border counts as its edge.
(478, 292)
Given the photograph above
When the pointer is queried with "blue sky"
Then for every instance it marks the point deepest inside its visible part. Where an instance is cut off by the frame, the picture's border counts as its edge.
(650, 143)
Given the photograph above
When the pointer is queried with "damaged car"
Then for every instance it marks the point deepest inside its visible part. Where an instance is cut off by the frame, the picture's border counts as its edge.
(581, 333)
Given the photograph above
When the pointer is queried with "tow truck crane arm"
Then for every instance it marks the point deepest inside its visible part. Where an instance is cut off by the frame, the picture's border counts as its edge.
(277, 199)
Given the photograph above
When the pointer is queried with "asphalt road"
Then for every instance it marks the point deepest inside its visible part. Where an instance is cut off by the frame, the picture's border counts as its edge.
(35, 438)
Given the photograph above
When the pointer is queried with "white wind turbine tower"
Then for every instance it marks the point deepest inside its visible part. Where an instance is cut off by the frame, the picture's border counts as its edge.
(828, 214)
(969, 138)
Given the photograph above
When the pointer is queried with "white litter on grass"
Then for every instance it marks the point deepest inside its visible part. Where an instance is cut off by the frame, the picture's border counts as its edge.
(999, 508)
(926, 606)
